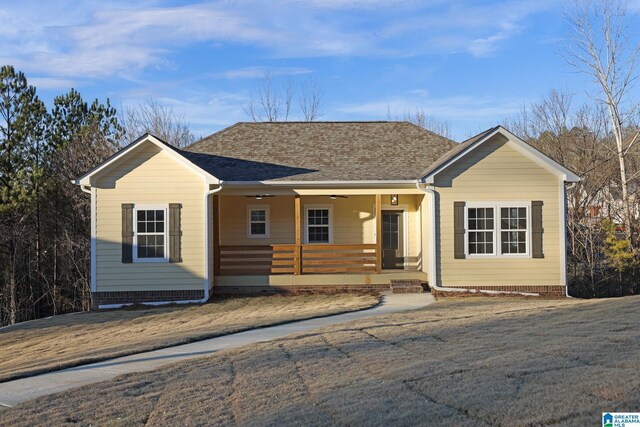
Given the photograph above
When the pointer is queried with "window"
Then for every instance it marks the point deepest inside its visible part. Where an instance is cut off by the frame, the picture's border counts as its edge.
(513, 230)
(150, 234)
(506, 236)
(258, 221)
(318, 221)
(480, 227)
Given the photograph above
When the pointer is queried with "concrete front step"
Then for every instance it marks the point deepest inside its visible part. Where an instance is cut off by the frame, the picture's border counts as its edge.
(406, 287)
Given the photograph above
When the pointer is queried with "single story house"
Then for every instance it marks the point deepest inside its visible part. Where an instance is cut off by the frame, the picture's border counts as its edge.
(318, 205)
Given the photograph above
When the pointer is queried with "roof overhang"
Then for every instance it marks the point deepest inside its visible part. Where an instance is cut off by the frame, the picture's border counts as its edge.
(283, 188)
(86, 179)
(527, 150)
(325, 184)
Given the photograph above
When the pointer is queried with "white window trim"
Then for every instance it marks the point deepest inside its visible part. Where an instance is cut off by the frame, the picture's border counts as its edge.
(497, 235)
(136, 208)
(306, 223)
(267, 221)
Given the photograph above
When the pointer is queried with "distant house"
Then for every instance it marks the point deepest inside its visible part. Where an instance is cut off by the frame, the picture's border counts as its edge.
(325, 206)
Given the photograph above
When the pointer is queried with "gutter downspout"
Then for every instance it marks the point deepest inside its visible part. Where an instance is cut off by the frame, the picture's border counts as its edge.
(564, 226)
(428, 189)
(208, 240)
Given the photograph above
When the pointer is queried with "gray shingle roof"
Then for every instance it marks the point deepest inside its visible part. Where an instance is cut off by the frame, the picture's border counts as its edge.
(319, 151)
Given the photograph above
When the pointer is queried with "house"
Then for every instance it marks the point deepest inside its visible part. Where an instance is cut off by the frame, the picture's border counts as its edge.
(325, 206)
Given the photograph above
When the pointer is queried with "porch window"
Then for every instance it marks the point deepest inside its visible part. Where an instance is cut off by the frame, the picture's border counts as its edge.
(258, 221)
(318, 221)
(150, 234)
(498, 230)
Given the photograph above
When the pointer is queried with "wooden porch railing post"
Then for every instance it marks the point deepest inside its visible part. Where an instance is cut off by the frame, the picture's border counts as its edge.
(297, 254)
(216, 234)
(378, 233)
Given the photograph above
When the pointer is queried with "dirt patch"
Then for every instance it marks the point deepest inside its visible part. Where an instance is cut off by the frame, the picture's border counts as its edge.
(68, 340)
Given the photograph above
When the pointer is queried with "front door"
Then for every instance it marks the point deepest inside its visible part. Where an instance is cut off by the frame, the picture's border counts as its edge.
(392, 240)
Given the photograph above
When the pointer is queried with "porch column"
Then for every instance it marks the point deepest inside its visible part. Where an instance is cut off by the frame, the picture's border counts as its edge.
(297, 253)
(215, 219)
(378, 233)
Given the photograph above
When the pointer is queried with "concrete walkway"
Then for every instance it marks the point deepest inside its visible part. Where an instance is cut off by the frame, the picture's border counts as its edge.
(22, 390)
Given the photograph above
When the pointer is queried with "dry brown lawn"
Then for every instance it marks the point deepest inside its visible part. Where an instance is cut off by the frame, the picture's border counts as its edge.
(473, 362)
(73, 339)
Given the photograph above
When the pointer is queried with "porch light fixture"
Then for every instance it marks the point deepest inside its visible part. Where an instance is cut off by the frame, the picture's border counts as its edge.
(394, 200)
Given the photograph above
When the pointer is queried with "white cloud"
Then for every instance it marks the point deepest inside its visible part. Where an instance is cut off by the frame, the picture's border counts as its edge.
(442, 108)
(487, 45)
(51, 83)
(205, 112)
(94, 39)
(461, 111)
(258, 72)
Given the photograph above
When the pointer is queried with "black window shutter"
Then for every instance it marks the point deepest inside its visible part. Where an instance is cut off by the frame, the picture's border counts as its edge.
(536, 229)
(175, 232)
(127, 233)
(458, 226)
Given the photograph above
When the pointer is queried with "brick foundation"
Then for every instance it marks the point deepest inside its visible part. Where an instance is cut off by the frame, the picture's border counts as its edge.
(129, 297)
(298, 289)
(406, 286)
(544, 291)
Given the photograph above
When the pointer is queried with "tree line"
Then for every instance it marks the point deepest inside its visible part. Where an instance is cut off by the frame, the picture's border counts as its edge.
(45, 220)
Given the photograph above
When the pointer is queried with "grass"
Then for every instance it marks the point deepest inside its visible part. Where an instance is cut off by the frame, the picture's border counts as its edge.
(69, 340)
(471, 362)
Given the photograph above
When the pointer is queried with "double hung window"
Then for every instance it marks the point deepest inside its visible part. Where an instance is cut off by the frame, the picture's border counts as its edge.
(497, 229)
(150, 234)
(258, 221)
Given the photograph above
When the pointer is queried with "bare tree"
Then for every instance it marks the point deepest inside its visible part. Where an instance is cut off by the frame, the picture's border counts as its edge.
(422, 119)
(310, 101)
(268, 103)
(601, 48)
(578, 138)
(273, 101)
(159, 120)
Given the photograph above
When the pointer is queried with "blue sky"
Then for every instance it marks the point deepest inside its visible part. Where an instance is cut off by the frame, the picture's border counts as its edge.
(471, 63)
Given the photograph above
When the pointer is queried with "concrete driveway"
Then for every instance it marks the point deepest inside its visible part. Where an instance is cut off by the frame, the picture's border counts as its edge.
(22, 390)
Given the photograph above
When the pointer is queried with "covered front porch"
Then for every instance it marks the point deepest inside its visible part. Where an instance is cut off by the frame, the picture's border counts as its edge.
(315, 239)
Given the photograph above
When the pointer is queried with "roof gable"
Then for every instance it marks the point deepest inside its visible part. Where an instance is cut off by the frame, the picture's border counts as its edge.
(178, 155)
(466, 147)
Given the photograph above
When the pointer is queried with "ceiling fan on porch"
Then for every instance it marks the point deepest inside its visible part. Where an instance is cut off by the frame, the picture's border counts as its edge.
(338, 196)
(261, 196)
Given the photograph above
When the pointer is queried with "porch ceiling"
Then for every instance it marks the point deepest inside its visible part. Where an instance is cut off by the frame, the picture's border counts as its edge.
(236, 190)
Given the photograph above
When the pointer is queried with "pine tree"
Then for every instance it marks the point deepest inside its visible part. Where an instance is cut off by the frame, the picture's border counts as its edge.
(22, 122)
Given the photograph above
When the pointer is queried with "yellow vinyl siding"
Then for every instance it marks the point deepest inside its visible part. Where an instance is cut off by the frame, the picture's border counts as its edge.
(152, 177)
(353, 220)
(496, 172)
(234, 220)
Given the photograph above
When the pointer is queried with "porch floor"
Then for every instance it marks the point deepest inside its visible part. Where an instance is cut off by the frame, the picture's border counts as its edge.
(320, 280)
